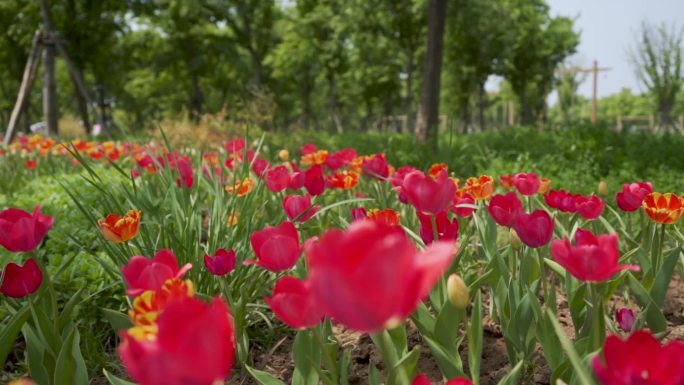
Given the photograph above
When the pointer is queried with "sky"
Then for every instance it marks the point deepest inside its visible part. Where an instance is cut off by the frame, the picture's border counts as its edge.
(608, 29)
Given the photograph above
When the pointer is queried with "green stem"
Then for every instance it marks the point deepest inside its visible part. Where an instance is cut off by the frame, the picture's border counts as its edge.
(657, 256)
(383, 342)
(542, 276)
(435, 233)
(327, 360)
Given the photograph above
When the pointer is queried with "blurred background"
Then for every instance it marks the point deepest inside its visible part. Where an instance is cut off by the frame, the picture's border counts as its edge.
(340, 65)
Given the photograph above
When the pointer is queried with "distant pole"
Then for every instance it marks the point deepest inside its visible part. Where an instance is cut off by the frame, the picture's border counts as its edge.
(594, 103)
(595, 69)
(50, 108)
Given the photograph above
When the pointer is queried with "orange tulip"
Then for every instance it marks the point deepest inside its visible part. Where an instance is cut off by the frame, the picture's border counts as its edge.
(544, 186)
(120, 229)
(387, 216)
(480, 188)
(506, 181)
(316, 157)
(242, 187)
(345, 180)
(663, 208)
(436, 168)
(233, 219)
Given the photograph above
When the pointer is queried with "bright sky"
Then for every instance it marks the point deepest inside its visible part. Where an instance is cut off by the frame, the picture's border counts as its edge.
(608, 29)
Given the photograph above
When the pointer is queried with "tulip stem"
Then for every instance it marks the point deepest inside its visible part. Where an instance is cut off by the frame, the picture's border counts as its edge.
(327, 360)
(657, 256)
(542, 276)
(383, 342)
(435, 232)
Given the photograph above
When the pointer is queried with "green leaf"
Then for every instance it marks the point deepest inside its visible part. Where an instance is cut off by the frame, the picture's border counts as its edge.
(581, 371)
(662, 279)
(306, 356)
(67, 366)
(408, 362)
(475, 338)
(654, 316)
(117, 319)
(262, 377)
(11, 330)
(446, 327)
(512, 377)
(373, 375)
(450, 365)
(65, 316)
(114, 380)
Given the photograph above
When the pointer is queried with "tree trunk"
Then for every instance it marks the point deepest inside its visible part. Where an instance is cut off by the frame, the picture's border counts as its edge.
(82, 106)
(409, 89)
(482, 104)
(196, 100)
(50, 107)
(427, 120)
(256, 69)
(332, 101)
(665, 116)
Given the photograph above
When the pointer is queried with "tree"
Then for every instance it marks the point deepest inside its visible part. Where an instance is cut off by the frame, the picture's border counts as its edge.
(428, 112)
(540, 44)
(476, 45)
(658, 61)
(567, 84)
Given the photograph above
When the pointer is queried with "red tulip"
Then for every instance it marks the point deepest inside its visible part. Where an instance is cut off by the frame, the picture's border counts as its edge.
(235, 145)
(640, 360)
(21, 231)
(297, 179)
(460, 199)
(632, 195)
(427, 194)
(371, 276)
(314, 181)
(625, 319)
(293, 303)
(504, 208)
(339, 159)
(298, 207)
(526, 183)
(358, 213)
(222, 263)
(144, 273)
(593, 258)
(277, 179)
(308, 148)
(260, 167)
(276, 248)
(195, 345)
(401, 173)
(20, 281)
(506, 181)
(561, 200)
(376, 167)
(535, 229)
(590, 207)
(446, 231)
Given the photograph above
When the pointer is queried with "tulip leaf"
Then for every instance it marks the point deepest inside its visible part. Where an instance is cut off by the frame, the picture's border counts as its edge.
(450, 365)
(343, 367)
(70, 364)
(446, 327)
(262, 377)
(35, 351)
(10, 331)
(423, 320)
(580, 369)
(475, 337)
(654, 316)
(306, 356)
(512, 377)
(408, 362)
(117, 319)
(114, 380)
(373, 375)
(662, 279)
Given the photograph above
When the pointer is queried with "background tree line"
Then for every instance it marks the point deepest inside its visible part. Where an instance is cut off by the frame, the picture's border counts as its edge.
(315, 64)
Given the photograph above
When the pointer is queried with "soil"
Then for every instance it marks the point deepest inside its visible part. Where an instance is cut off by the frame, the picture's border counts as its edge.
(494, 365)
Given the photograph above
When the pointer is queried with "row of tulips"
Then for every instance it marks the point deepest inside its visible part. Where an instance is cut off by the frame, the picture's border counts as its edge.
(381, 245)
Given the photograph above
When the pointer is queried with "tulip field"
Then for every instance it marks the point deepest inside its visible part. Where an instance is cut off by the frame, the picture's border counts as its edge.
(137, 262)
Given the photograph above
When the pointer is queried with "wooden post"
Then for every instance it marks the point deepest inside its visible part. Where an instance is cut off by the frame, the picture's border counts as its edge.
(26, 82)
(511, 113)
(594, 103)
(79, 84)
(50, 107)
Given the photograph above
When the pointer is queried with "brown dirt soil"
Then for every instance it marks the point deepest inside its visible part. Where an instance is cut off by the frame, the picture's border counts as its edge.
(494, 363)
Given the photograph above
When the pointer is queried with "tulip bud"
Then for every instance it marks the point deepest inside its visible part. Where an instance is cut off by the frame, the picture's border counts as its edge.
(514, 239)
(625, 318)
(284, 155)
(457, 292)
(603, 188)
